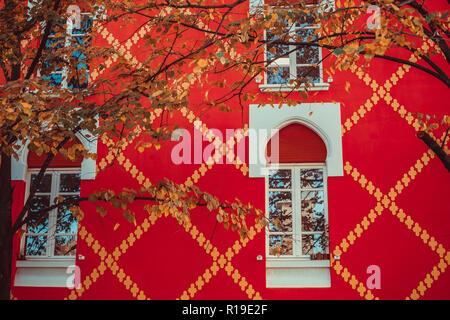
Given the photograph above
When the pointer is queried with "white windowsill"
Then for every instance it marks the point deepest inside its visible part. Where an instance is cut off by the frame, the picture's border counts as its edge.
(45, 263)
(297, 273)
(296, 263)
(286, 87)
(50, 272)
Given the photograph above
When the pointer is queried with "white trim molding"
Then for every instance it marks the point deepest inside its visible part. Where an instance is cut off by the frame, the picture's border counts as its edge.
(322, 118)
(256, 6)
(19, 167)
(298, 274)
(42, 272)
(322, 86)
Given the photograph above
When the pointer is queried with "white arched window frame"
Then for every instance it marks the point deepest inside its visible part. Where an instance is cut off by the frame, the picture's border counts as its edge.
(88, 170)
(49, 270)
(322, 118)
(295, 270)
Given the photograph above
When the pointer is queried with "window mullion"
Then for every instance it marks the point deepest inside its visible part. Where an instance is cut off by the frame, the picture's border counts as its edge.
(299, 213)
(292, 57)
(295, 212)
(65, 72)
(320, 61)
(52, 216)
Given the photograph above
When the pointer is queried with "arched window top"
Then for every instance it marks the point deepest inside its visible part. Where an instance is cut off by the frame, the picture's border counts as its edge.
(26, 160)
(296, 144)
(59, 161)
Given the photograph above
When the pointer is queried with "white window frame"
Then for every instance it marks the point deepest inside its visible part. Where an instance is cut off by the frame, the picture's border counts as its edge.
(52, 219)
(316, 86)
(49, 270)
(67, 43)
(297, 270)
(295, 190)
(291, 62)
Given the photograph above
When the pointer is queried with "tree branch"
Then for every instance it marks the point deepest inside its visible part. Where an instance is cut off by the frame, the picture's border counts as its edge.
(431, 143)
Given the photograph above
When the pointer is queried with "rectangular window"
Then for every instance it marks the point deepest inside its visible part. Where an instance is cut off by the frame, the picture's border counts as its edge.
(70, 70)
(297, 213)
(53, 234)
(290, 62)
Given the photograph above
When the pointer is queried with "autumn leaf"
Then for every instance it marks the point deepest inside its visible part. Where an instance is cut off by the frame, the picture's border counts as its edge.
(202, 63)
(347, 86)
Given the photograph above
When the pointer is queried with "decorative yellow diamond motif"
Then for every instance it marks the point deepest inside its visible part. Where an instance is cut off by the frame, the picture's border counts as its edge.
(110, 261)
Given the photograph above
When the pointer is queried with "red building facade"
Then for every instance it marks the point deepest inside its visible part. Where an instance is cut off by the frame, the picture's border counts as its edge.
(382, 191)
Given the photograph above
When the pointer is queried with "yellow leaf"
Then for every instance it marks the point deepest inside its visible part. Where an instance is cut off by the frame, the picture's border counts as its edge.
(202, 63)
(347, 86)
(157, 93)
(197, 69)
(26, 108)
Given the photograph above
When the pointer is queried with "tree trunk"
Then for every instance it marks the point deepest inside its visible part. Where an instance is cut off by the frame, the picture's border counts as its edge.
(440, 153)
(5, 227)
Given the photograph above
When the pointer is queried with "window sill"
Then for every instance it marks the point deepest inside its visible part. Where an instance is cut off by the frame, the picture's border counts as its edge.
(297, 273)
(286, 87)
(45, 263)
(43, 272)
(295, 262)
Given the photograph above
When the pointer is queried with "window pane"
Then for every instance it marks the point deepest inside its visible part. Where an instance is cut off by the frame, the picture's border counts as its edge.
(65, 245)
(80, 43)
(54, 43)
(53, 64)
(85, 25)
(315, 245)
(58, 28)
(78, 77)
(36, 245)
(69, 182)
(280, 179)
(305, 20)
(54, 78)
(311, 73)
(45, 184)
(278, 75)
(78, 71)
(313, 217)
(306, 55)
(66, 222)
(311, 178)
(280, 245)
(276, 50)
(280, 211)
(39, 222)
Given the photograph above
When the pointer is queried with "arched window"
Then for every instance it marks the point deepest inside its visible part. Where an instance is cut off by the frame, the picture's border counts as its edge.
(296, 208)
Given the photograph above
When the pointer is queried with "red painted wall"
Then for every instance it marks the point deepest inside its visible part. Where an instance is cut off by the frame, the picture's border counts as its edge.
(391, 207)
